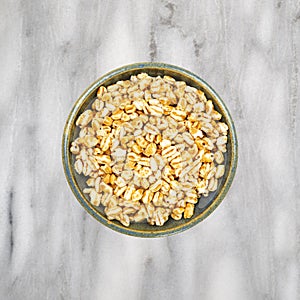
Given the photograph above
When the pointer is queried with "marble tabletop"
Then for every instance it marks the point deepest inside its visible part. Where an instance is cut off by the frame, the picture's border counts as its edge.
(249, 51)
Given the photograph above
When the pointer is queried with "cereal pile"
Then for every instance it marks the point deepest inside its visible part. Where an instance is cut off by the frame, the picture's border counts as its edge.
(150, 147)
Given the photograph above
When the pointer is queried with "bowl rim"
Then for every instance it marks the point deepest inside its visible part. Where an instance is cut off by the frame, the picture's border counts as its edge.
(119, 227)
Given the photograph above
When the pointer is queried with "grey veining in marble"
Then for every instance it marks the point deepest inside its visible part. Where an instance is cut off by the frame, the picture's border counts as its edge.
(249, 51)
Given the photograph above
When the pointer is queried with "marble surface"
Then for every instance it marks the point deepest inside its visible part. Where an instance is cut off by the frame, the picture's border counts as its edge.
(249, 248)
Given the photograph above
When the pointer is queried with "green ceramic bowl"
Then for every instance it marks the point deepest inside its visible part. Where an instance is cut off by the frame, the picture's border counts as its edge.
(77, 182)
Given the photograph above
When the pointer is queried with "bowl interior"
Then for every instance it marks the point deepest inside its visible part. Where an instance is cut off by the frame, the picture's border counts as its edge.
(205, 204)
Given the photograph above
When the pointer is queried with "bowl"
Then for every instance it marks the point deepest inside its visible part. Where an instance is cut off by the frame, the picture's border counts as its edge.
(205, 206)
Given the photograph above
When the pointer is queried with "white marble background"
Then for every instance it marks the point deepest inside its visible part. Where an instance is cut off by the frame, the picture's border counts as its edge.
(50, 51)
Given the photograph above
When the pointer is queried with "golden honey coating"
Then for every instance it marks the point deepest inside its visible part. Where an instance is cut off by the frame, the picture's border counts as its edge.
(149, 148)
